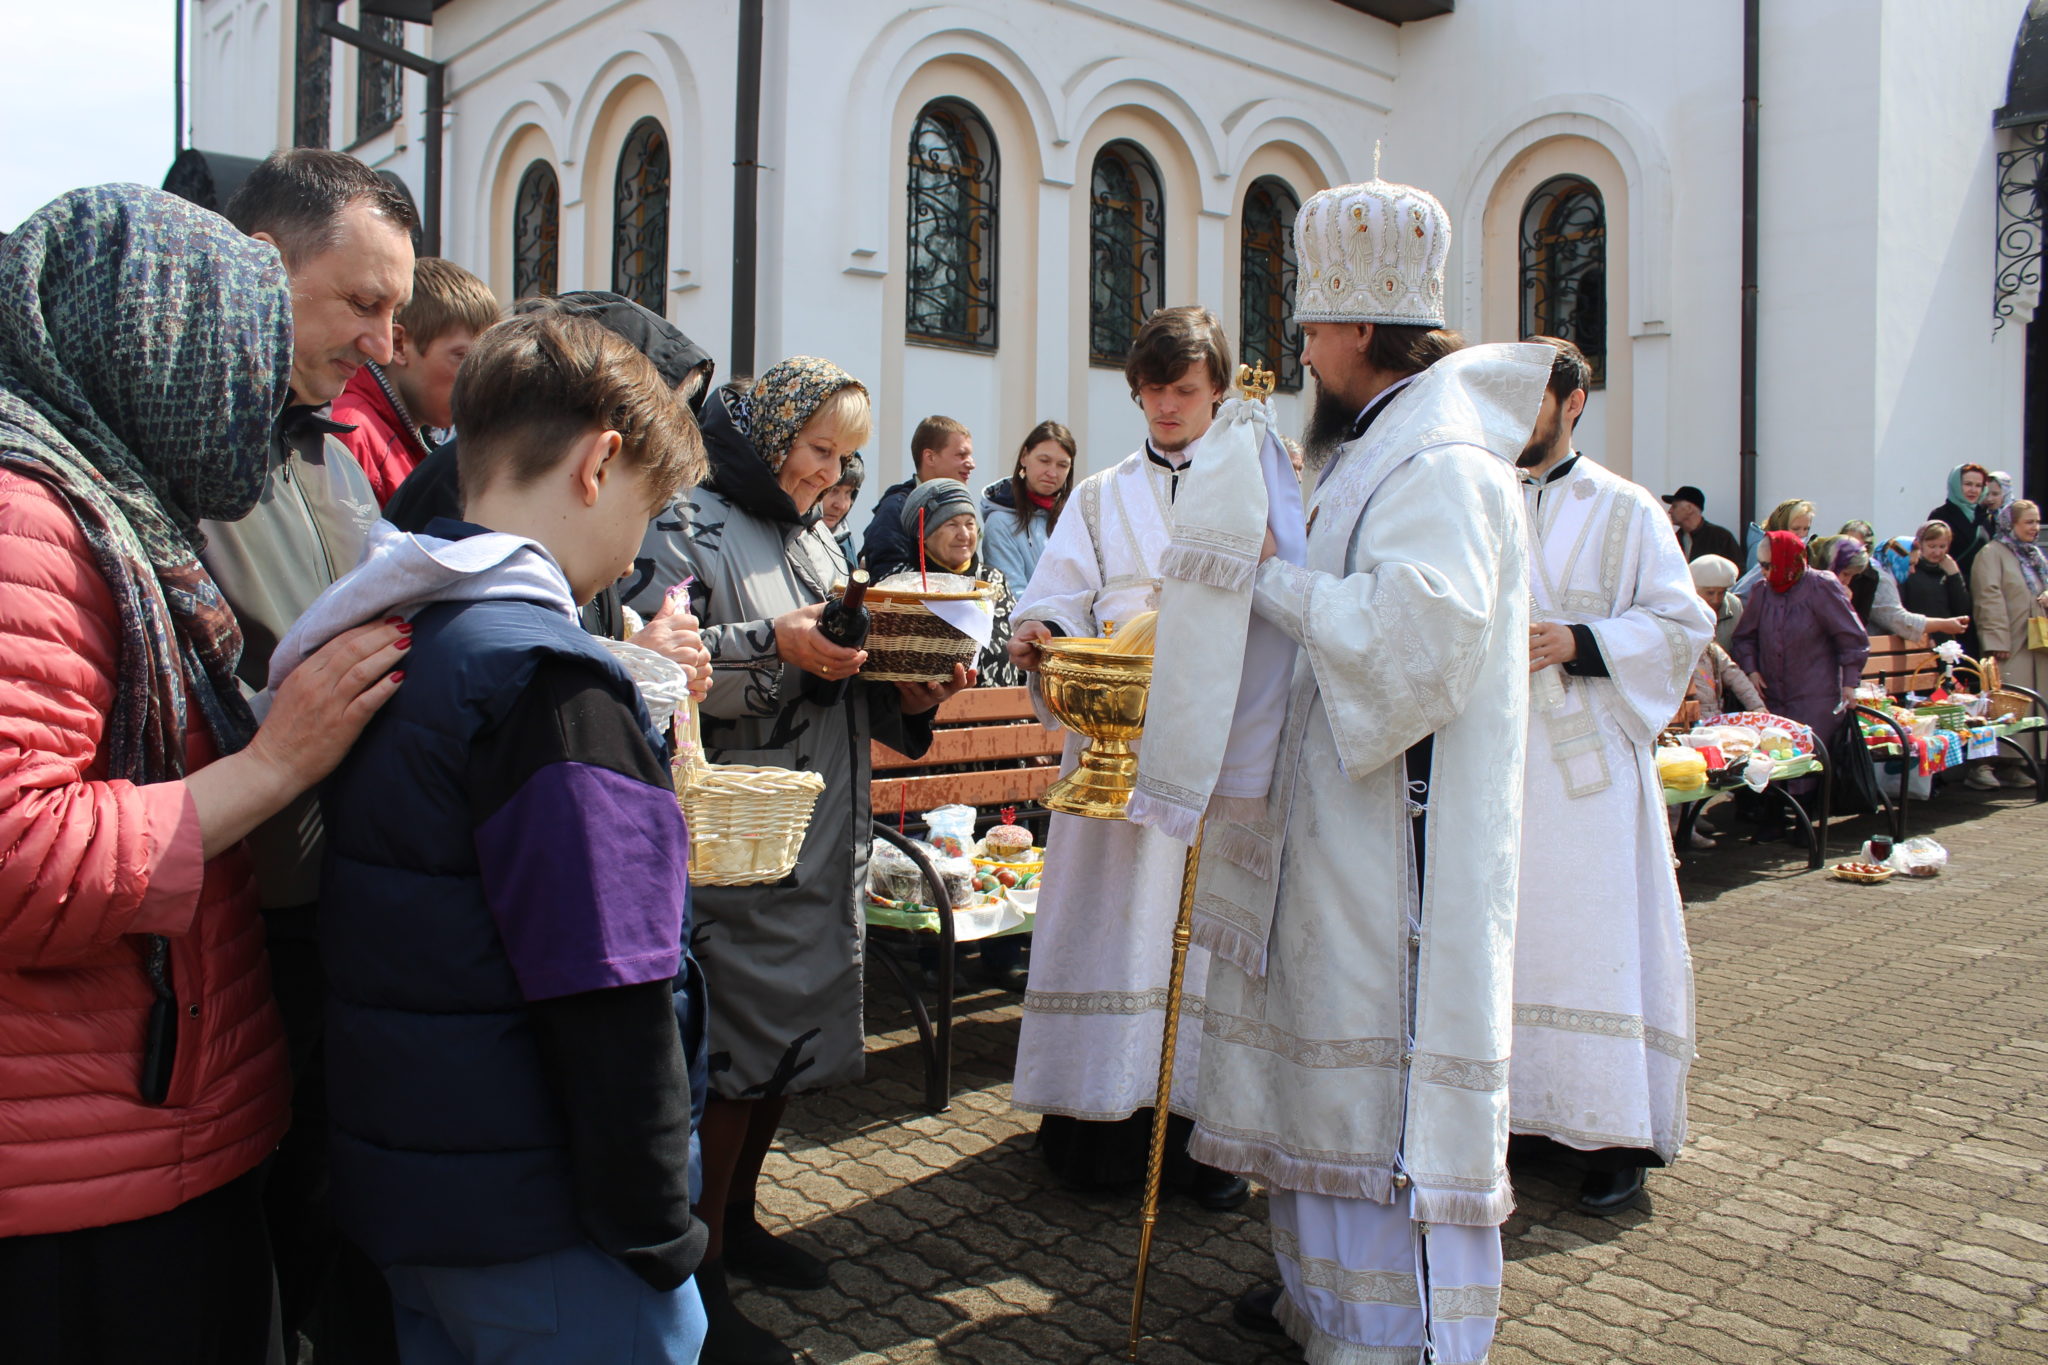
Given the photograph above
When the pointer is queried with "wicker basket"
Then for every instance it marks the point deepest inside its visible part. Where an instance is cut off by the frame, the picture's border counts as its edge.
(746, 823)
(2000, 703)
(906, 643)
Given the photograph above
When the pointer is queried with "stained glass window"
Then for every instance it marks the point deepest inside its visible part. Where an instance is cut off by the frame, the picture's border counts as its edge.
(951, 273)
(1126, 250)
(536, 232)
(380, 85)
(640, 218)
(1564, 267)
(1267, 334)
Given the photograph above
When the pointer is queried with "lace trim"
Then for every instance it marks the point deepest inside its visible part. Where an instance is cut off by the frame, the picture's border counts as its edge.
(1602, 1024)
(1465, 1073)
(1320, 1053)
(1394, 1287)
(1110, 1002)
(1464, 1301)
(1320, 1348)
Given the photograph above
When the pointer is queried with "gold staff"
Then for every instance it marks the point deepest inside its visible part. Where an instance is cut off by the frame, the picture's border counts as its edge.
(1101, 693)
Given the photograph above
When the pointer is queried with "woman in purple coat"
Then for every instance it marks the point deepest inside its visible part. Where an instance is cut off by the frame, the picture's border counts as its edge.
(1800, 642)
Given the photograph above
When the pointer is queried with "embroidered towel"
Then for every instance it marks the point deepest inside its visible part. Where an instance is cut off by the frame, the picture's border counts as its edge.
(1214, 658)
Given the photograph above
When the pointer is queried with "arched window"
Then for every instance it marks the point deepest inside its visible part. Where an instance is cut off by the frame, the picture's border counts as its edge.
(640, 218)
(1267, 335)
(1126, 250)
(1564, 267)
(380, 85)
(537, 233)
(952, 225)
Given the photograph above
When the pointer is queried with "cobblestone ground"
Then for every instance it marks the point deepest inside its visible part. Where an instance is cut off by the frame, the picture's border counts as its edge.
(1864, 1180)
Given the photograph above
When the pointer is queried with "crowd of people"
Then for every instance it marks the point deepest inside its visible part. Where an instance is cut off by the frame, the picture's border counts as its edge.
(1793, 631)
(353, 985)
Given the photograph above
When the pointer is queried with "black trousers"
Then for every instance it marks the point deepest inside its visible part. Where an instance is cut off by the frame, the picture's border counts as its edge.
(187, 1287)
(326, 1288)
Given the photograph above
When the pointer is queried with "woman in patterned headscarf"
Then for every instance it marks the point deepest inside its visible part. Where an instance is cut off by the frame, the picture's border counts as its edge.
(2011, 586)
(782, 962)
(145, 348)
(1799, 640)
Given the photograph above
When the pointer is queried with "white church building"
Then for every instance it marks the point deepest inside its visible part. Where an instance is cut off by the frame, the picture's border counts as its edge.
(971, 203)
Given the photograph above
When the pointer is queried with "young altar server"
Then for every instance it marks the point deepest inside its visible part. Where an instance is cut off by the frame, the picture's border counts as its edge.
(1355, 1037)
(1603, 981)
(1095, 1007)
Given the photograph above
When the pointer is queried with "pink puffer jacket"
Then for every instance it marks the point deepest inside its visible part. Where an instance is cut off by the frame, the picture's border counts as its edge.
(88, 866)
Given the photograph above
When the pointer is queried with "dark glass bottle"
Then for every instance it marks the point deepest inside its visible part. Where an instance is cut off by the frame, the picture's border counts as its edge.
(844, 623)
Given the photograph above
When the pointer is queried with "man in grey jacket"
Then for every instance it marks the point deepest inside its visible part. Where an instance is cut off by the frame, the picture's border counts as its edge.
(346, 239)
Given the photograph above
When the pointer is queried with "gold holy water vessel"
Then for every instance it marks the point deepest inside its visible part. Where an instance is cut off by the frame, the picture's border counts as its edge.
(1100, 695)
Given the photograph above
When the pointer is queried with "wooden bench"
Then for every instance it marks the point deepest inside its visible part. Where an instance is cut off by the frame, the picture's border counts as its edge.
(988, 751)
(1902, 667)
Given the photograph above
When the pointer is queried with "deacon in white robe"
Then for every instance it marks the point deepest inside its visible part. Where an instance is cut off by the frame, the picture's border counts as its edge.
(1603, 978)
(1101, 950)
(1355, 1040)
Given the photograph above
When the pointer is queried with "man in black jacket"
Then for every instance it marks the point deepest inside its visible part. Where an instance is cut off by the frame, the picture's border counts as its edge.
(941, 448)
(1697, 536)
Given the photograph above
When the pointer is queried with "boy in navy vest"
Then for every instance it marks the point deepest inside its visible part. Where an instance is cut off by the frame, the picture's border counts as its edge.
(503, 917)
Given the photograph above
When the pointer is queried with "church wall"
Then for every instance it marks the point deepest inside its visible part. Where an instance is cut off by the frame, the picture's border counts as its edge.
(239, 51)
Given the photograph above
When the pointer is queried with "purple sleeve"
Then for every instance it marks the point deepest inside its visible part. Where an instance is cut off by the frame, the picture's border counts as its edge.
(584, 869)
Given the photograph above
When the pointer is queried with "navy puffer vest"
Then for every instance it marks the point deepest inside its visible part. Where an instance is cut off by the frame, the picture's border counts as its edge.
(449, 1147)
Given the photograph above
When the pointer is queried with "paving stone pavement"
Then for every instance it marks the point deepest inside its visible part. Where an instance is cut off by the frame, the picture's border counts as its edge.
(1863, 1182)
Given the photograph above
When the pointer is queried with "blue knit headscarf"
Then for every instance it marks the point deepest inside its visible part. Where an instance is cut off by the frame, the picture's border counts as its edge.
(145, 351)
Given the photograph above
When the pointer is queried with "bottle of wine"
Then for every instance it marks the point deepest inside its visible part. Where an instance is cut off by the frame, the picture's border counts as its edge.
(844, 623)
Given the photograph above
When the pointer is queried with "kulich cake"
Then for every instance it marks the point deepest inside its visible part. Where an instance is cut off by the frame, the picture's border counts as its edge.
(1007, 843)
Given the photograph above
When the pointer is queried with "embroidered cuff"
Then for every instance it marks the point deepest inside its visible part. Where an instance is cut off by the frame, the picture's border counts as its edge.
(1280, 593)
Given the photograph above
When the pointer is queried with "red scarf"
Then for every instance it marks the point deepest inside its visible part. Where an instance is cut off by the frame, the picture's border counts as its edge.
(1788, 560)
(1042, 501)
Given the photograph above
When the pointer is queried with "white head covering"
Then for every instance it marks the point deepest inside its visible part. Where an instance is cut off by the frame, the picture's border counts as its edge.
(1371, 253)
(1713, 571)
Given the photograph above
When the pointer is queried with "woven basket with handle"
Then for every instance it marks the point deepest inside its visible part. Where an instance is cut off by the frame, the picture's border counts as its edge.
(746, 823)
(906, 643)
(2001, 703)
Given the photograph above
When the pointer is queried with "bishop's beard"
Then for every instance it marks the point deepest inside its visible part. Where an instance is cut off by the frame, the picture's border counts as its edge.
(1329, 423)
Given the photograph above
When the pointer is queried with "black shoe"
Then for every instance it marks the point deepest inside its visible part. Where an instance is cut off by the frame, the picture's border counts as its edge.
(1256, 1309)
(758, 1254)
(1009, 979)
(730, 1336)
(1605, 1193)
(1217, 1190)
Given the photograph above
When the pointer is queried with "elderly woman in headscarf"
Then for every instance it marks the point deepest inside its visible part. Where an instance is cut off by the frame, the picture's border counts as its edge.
(782, 962)
(1794, 515)
(944, 509)
(1799, 640)
(145, 349)
(2011, 588)
(1713, 577)
(1968, 522)
(1998, 486)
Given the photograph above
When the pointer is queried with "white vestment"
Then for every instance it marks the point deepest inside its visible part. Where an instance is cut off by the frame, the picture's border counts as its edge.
(1603, 980)
(1101, 952)
(1355, 1046)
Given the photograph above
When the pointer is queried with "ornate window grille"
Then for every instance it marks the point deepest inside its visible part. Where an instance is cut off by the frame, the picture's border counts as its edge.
(536, 232)
(1126, 250)
(1267, 334)
(312, 87)
(952, 226)
(640, 218)
(1564, 267)
(380, 85)
(2022, 165)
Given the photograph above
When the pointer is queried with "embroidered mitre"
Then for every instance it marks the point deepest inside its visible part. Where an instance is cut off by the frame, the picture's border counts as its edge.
(1372, 253)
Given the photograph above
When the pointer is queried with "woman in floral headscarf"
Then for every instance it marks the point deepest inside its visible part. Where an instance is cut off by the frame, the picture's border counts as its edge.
(2010, 586)
(1963, 510)
(782, 962)
(145, 349)
(1799, 640)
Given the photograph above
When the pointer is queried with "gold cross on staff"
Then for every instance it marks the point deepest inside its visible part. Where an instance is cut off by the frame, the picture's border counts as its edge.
(1256, 383)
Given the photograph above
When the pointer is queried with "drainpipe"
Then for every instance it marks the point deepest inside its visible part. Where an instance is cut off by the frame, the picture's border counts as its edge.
(178, 87)
(437, 88)
(1751, 42)
(746, 190)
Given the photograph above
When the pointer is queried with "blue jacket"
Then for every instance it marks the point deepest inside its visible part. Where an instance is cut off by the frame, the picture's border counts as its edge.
(1010, 540)
(449, 1144)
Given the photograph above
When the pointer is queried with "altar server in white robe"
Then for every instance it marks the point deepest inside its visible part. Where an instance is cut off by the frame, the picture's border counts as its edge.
(1355, 1040)
(1603, 978)
(1095, 1005)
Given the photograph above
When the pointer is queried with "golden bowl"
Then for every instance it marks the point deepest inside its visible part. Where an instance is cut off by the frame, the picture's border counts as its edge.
(1100, 695)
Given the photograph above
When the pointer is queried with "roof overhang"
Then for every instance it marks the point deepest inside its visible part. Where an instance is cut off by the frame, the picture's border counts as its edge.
(2026, 89)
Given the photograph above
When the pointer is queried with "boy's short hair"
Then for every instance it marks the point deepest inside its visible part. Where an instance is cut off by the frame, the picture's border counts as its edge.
(297, 196)
(1173, 339)
(1569, 370)
(445, 298)
(934, 433)
(537, 382)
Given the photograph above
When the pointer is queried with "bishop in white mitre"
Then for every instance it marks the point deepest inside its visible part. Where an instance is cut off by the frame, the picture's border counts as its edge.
(1603, 978)
(1356, 1030)
(1095, 1006)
